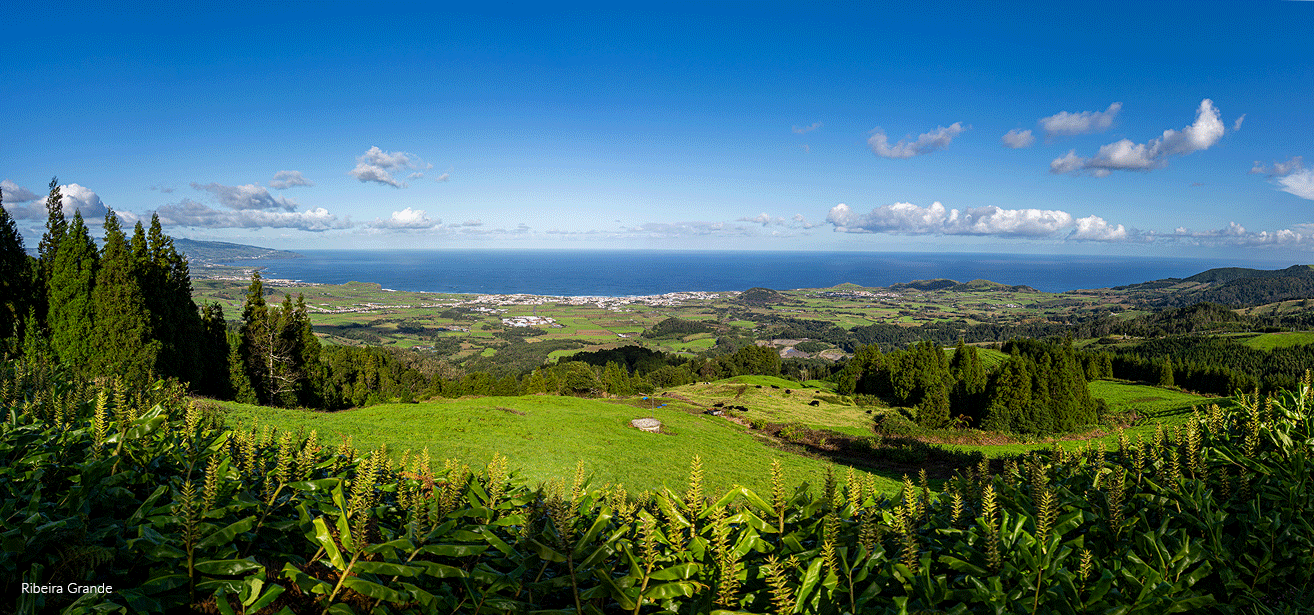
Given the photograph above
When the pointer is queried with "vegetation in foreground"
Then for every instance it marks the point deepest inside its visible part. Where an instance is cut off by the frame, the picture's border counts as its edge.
(142, 503)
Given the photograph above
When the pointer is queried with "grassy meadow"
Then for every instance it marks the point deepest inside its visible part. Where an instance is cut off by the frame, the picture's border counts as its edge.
(545, 436)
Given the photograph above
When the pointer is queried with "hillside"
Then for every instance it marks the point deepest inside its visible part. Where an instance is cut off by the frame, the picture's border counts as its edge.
(1234, 287)
(212, 253)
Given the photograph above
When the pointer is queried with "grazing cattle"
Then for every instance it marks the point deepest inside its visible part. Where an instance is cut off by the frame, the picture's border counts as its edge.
(814, 403)
(718, 404)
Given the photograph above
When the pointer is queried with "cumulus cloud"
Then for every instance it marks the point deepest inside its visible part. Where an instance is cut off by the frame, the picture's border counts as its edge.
(1125, 155)
(444, 177)
(191, 213)
(162, 188)
(472, 223)
(802, 222)
(805, 129)
(287, 179)
(1236, 236)
(377, 166)
(1095, 228)
(1085, 122)
(14, 193)
(249, 196)
(910, 219)
(407, 219)
(1237, 124)
(1018, 139)
(925, 143)
(79, 198)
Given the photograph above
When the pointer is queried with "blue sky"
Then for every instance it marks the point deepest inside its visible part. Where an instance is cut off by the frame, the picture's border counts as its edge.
(1135, 128)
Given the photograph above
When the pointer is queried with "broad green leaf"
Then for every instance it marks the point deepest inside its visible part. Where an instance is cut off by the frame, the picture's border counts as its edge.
(373, 590)
(228, 567)
(678, 571)
(325, 540)
(385, 568)
(227, 534)
(455, 550)
(676, 589)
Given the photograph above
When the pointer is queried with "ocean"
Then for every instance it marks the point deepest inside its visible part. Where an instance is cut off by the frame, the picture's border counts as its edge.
(646, 272)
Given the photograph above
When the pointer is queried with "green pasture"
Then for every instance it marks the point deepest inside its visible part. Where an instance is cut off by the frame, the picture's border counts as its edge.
(544, 437)
(1271, 341)
(1155, 405)
(777, 406)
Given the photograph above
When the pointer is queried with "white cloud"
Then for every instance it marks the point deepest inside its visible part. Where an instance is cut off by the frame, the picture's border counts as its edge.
(1300, 183)
(1067, 164)
(407, 219)
(444, 177)
(79, 198)
(802, 222)
(287, 179)
(925, 143)
(1095, 228)
(1237, 124)
(909, 219)
(13, 193)
(249, 196)
(472, 223)
(1125, 155)
(1018, 139)
(1085, 122)
(1291, 176)
(376, 165)
(687, 229)
(1293, 164)
(190, 213)
(806, 129)
(763, 218)
(1236, 236)
(162, 188)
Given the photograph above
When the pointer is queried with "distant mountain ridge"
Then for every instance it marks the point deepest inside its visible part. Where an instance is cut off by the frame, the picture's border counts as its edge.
(956, 286)
(1233, 286)
(212, 253)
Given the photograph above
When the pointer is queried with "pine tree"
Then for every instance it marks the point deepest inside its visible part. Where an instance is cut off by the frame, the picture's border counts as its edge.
(173, 312)
(933, 412)
(1164, 376)
(15, 281)
(214, 380)
(71, 315)
(273, 347)
(239, 380)
(56, 228)
(1010, 396)
(123, 343)
(970, 382)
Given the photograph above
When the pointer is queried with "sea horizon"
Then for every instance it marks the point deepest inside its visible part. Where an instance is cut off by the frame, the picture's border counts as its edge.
(620, 272)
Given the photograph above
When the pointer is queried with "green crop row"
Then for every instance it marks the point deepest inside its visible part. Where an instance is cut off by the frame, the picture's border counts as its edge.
(113, 500)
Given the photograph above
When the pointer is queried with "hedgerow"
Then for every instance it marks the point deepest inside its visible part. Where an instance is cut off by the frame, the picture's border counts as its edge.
(145, 495)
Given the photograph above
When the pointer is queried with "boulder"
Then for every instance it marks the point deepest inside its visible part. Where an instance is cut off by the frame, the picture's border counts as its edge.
(647, 424)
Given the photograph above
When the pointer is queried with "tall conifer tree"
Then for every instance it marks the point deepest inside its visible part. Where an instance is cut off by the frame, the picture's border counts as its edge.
(124, 342)
(71, 312)
(15, 279)
(56, 228)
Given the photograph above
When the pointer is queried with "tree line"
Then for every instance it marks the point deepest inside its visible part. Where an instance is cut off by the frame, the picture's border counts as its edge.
(1041, 387)
(123, 308)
